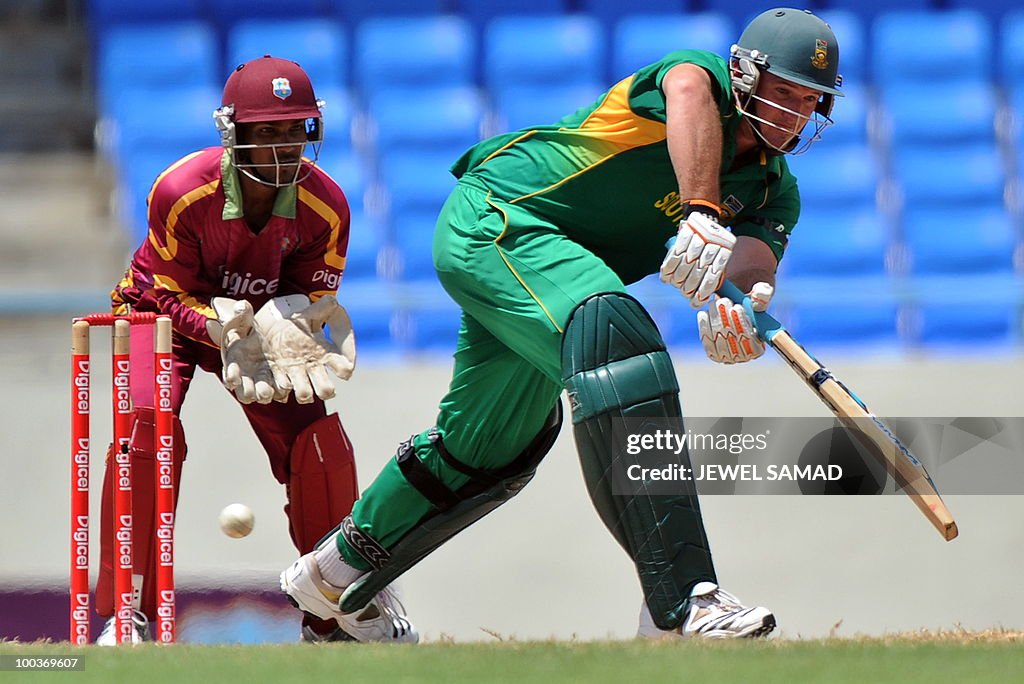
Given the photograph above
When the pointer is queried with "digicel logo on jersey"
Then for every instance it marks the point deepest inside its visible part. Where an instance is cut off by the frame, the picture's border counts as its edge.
(237, 284)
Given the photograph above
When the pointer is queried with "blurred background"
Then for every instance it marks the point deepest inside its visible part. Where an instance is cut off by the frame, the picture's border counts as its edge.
(912, 221)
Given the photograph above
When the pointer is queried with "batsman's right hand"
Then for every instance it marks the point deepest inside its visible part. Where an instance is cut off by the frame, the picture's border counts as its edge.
(246, 371)
(697, 259)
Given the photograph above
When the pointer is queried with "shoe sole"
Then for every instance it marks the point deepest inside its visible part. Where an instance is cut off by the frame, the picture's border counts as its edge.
(767, 626)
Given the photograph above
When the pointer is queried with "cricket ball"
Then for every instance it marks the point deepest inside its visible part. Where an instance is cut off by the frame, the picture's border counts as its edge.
(236, 520)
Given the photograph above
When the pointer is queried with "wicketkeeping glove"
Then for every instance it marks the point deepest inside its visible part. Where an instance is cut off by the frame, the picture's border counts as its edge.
(726, 331)
(297, 349)
(696, 261)
(246, 371)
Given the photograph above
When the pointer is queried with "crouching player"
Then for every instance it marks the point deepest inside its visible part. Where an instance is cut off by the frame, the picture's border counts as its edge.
(245, 249)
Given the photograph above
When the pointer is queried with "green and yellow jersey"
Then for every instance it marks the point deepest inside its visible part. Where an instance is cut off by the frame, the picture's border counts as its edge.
(603, 175)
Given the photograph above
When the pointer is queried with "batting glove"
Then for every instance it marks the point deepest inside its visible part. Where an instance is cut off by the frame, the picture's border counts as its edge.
(697, 259)
(726, 331)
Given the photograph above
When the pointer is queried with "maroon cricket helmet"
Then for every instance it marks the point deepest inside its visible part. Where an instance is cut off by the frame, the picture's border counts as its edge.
(270, 89)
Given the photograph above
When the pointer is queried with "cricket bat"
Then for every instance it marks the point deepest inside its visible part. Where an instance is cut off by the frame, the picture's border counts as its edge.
(855, 416)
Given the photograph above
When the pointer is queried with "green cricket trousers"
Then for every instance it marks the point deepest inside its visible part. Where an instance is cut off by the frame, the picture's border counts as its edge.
(517, 278)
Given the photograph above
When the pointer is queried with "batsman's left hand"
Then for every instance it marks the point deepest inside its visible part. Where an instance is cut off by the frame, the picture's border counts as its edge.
(726, 331)
(299, 351)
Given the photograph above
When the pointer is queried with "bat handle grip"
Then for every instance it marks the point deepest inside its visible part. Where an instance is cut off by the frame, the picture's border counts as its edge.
(767, 325)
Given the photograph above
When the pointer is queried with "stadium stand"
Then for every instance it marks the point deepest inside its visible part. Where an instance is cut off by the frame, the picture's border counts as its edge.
(411, 84)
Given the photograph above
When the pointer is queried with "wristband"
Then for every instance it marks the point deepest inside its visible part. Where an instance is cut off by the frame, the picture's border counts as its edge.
(703, 207)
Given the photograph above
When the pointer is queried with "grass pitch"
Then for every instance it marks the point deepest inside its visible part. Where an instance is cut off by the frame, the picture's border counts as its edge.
(993, 656)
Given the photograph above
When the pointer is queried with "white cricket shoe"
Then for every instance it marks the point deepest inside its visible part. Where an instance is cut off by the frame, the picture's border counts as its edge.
(382, 619)
(714, 614)
(140, 630)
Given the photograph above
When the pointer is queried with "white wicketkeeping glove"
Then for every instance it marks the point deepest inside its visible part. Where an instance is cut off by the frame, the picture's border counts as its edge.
(696, 261)
(246, 371)
(728, 334)
(297, 348)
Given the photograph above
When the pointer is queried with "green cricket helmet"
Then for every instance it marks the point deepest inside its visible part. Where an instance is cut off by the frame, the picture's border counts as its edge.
(796, 46)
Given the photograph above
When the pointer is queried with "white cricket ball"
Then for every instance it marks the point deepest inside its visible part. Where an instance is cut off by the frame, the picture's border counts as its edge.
(236, 520)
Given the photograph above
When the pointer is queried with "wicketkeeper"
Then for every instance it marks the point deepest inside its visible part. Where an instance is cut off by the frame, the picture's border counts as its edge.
(245, 250)
(536, 244)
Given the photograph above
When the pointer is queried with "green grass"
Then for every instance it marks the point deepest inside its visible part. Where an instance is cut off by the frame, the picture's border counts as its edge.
(996, 656)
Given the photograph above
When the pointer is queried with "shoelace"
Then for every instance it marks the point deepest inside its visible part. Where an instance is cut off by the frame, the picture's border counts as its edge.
(391, 606)
(719, 598)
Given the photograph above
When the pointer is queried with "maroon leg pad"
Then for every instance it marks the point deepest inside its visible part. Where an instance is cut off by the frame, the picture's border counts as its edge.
(322, 488)
(143, 514)
(322, 484)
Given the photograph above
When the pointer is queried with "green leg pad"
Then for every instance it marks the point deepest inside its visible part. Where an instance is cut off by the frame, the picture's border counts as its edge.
(452, 513)
(615, 366)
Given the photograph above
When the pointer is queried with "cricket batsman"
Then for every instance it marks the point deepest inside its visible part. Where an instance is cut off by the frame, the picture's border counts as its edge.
(246, 247)
(544, 230)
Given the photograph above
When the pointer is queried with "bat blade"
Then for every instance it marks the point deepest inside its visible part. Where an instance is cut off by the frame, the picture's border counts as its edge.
(866, 427)
(871, 432)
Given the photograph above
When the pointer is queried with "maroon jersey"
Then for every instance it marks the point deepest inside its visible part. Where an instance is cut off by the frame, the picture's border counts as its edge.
(199, 245)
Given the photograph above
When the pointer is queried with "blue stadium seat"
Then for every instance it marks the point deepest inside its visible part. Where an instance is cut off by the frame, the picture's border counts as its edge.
(413, 239)
(609, 12)
(435, 331)
(159, 56)
(995, 10)
(868, 10)
(739, 12)
(352, 12)
(372, 324)
(416, 181)
(525, 106)
(417, 185)
(853, 323)
(853, 50)
(905, 48)
(945, 325)
(839, 242)
(413, 52)
(1017, 142)
(836, 175)
(172, 122)
(364, 243)
(1012, 52)
(481, 12)
(959, 241)
(957, 112)
(318, 45)
(543, 51)
(643, 39)
(227, 12)
(428, 119)
(337, 118)
(850, 115)
(349, 172)
(104, 14)
(949, 173)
